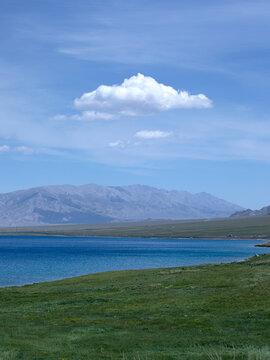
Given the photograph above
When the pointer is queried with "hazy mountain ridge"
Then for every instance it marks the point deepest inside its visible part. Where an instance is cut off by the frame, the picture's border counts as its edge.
(68, 204)
(265, 211)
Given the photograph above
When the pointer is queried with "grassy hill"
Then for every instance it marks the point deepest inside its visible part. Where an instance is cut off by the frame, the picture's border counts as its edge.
(254, 227)
(203, 312)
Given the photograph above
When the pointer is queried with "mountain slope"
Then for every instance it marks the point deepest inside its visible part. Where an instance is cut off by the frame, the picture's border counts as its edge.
(265, 211)
(67, 204)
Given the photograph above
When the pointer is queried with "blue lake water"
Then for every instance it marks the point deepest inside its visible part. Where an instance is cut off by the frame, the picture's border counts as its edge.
(26, 260)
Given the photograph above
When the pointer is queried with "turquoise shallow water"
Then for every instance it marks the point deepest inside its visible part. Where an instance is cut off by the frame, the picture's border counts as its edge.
(25, 260)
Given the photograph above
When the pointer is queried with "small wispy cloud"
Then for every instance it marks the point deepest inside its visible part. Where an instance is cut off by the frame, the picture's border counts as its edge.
(84, 116)
(92, 115)
(152, 134)
(24, 150)
(117, 144)
(140, 135)
(139, 95)
(59, 117)
(4, 148)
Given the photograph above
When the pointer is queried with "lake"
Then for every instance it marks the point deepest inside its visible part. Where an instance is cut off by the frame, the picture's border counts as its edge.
(26, 260)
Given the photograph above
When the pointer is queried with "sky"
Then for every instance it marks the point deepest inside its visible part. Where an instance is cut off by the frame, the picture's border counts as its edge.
(171, 94)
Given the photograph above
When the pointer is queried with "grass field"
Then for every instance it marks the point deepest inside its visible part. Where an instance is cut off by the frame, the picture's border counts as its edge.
(253, 227)
(210, 312)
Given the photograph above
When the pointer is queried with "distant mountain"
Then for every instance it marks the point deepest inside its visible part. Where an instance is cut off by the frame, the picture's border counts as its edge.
(67, 204)
(265, 211)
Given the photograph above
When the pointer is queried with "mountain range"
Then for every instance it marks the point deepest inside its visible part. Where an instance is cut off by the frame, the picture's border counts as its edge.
(265, 211)
(86, 204)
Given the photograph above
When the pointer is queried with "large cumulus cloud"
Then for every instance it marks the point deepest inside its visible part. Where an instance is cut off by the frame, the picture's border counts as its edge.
(139, 95)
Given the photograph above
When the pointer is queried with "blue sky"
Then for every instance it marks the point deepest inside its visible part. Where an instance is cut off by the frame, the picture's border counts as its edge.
(171, 94)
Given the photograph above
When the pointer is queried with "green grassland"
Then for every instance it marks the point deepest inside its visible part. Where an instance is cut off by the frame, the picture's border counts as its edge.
(213, 312)
(252, 227)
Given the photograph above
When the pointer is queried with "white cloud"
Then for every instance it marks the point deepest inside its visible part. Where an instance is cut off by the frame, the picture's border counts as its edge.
(84, 116)
(59, 117)
(92, 115)
(24, 150)
(152, 134)
(4, 148)
(139, 95)
(117, 144)
(18, 149)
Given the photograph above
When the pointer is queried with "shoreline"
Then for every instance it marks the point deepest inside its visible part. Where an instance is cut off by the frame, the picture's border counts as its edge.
(266, 244)
(142, 314)
(141, 237)
(130, 270)
(118, 271)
